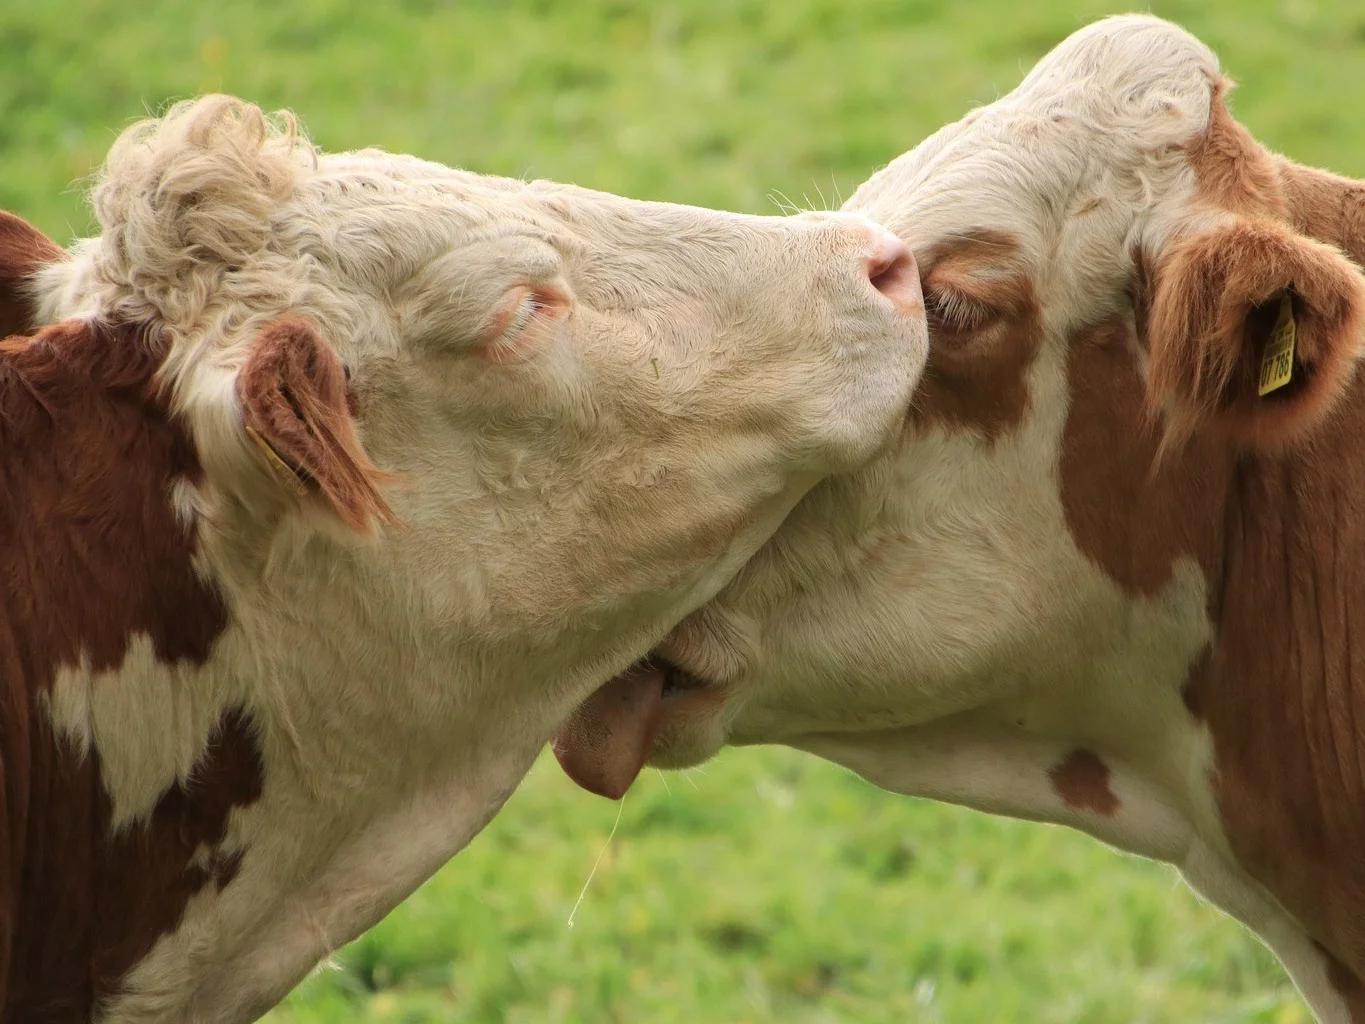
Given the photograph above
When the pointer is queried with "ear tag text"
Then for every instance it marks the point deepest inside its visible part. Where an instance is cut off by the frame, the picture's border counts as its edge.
(1277, 365)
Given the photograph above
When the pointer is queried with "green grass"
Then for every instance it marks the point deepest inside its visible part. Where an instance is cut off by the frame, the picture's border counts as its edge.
(771, 887)
(775, 888)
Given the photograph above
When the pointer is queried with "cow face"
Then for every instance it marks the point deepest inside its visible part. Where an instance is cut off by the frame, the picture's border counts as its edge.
(425, 454)
(588, 409)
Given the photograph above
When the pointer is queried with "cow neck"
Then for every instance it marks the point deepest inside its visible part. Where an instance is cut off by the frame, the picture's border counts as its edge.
(1283, 692)
(93, 560)
(1291, 780)
(1281, 689)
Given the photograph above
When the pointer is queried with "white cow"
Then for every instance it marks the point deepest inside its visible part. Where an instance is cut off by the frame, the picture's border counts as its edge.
(332, 484)
(1111, 576)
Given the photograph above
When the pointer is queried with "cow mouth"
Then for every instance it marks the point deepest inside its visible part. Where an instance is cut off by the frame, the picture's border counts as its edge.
(609, 737)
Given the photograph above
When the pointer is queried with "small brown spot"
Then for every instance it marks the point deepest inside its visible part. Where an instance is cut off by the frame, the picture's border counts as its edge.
(1082, 780)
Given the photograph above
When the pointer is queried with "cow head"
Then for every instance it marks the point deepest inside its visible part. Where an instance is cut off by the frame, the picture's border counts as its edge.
(1105, 256)
(1105, 236)
(1053, 597)
(454, 448)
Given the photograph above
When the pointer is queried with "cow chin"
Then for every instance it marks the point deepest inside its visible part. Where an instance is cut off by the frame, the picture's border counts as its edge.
(692, 722)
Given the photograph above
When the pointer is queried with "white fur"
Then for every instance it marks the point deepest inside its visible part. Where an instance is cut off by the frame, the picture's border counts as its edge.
(559, 512)
(930, 622)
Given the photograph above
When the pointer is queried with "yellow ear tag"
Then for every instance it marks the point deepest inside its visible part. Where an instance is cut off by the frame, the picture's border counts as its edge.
(1277, 365)
(278, 464)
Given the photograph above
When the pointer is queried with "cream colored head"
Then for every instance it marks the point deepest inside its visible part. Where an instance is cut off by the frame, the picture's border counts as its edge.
(461, 447)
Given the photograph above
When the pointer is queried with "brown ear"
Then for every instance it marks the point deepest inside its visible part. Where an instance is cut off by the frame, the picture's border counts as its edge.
(1216, 313)
(23, 250)
(292, 391)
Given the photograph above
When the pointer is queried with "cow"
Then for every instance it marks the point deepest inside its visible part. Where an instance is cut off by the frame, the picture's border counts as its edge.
(329, 484)
(1110, 573)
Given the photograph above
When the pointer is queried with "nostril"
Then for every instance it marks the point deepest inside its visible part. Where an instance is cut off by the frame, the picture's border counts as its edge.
(891, 269)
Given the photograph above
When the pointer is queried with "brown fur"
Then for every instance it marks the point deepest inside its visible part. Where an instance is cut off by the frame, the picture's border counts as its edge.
(23, 250)
(1082, 780)
(1130, 511)
(90, 555)
(976, 375)
(1235, 172)
(1268, 496)
(1214, 303)
(293, 394)
(1325, 206)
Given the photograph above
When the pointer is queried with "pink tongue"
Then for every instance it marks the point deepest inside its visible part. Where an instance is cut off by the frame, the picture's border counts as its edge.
(605, 742)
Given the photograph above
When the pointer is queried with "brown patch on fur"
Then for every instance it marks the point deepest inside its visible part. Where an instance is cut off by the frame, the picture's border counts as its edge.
(1214, 304)
(1133, 513)
(1082, 780)
(1235, 172)
(976, 376)
(293, 394)
(23, 250)
(92, 554)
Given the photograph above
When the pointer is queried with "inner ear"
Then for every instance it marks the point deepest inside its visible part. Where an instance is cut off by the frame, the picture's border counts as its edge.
(23, 251)
(1223, 304)
(295, 406)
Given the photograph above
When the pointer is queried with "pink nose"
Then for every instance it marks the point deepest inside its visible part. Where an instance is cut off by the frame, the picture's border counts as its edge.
(891, 269)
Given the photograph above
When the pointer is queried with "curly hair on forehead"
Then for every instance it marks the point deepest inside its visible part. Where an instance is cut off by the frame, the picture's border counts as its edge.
(182, 196)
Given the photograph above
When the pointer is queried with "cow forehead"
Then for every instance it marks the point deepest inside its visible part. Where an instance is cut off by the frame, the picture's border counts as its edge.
(1067, 162)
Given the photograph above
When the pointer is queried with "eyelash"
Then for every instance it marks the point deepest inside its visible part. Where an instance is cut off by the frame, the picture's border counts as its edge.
(953, 311)
(530, 307)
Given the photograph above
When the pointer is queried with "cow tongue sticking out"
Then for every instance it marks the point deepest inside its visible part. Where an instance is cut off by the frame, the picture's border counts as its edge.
(605, 742)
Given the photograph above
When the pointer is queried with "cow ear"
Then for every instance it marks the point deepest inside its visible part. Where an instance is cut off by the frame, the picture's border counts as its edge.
(1253, 330)
(23, 251)
(292, 393)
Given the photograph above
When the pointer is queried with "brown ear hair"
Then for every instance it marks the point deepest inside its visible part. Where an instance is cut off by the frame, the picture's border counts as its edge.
(23, 250)
(1214, 305)
(292, 391)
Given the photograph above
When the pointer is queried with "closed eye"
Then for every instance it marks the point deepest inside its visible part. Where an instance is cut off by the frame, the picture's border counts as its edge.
(951, 311)
(516, 330)
(523, 308)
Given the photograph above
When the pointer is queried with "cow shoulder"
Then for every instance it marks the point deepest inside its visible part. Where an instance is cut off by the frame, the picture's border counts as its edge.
(111, 608)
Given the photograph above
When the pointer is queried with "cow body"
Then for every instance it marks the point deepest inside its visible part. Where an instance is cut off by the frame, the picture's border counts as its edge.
(1104, 581)
(256, 689)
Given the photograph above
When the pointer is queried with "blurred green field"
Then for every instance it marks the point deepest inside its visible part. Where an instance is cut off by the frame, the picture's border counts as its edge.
(768, 887)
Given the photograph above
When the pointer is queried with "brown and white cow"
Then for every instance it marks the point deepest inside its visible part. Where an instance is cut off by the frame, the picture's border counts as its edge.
(1103, 580)
(255, 688)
